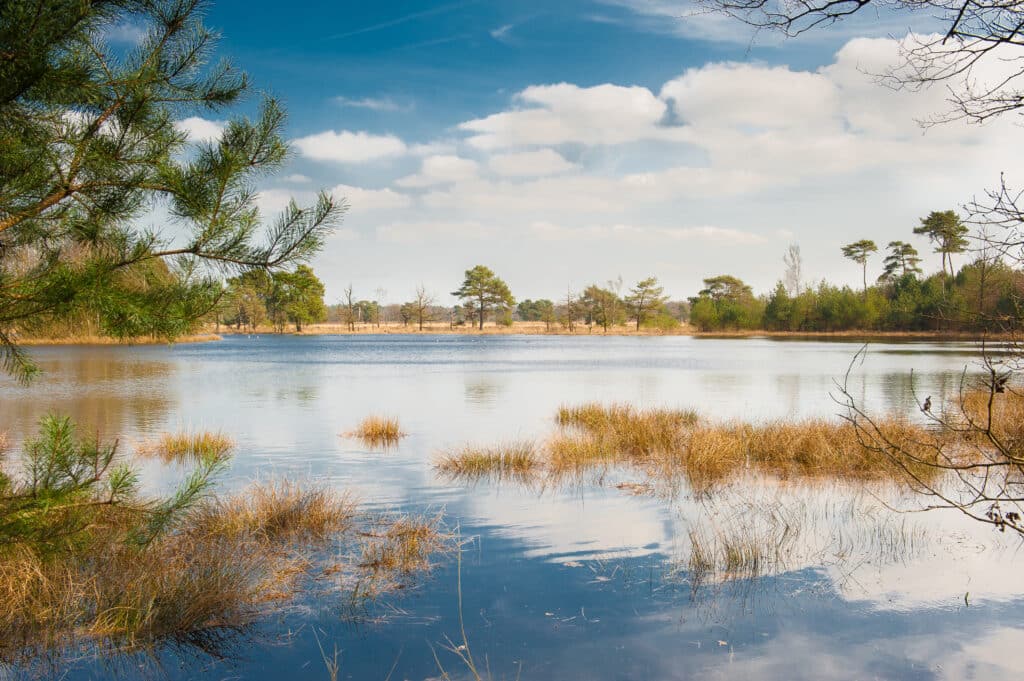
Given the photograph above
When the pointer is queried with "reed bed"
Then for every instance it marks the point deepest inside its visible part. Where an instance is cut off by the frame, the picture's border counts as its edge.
(188, 446)
(230, 562)
(513, 460)
(808, 448)
(629, 431)
(378, 431)
(668, 444)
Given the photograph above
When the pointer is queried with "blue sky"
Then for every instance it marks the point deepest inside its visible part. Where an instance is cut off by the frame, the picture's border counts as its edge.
(574, 142)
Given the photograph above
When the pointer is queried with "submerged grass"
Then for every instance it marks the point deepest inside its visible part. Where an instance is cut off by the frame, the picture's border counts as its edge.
(378, 431)
(513, 460)
(188, 446)
(231, 561)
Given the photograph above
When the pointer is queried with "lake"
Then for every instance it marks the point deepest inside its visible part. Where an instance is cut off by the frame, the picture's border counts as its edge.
(581, 581)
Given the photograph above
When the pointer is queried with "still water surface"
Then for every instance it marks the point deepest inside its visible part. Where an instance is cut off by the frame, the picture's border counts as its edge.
(582, 583)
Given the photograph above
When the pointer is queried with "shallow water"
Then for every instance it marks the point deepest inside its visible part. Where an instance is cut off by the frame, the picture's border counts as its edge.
(587, 582)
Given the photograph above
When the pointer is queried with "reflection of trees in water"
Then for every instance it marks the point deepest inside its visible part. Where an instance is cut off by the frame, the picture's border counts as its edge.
(898, 390)
(100, 388)
(482, 390)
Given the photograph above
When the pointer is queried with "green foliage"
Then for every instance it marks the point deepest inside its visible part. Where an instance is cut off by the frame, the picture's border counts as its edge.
(482, 291)
(604, 307)
(282, 297)
(947, 232)
(645, 299)
(535, 310)
(70, 484)
(726, 302)
(902, 260)
(858, 252)
(88, 146)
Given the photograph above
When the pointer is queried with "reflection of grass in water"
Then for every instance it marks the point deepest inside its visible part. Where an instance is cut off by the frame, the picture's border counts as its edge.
(378, 431)
(516, 460)
(187, 446)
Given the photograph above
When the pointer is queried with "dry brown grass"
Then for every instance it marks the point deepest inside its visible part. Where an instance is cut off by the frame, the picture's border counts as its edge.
(188, 446)
(378, 431)
(275, 512)
(630, 432)
(230, 562)
(1000, 413)
(808, 448)
(513, 460)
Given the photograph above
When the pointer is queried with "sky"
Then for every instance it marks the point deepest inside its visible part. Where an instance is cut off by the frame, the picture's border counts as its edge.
(575, 142)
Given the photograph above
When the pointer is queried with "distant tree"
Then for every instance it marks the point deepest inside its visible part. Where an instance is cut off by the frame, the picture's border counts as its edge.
(569, 310)
(903, 259)
(644, 299)
(381, 293)
(349, 311)
(947, 232)
(407, 313)
(603, 306)
(302, 296)
(794, 270)
(483, 291)
(859, 251)
(726, 302)
(421, 306)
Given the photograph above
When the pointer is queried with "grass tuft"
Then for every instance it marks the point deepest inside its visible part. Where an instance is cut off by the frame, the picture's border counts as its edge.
(188, 446)
(514, 460)
(378, 431)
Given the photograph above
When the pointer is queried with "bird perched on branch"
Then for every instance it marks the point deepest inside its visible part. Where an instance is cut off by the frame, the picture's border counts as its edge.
(927, 406)
(999, 382)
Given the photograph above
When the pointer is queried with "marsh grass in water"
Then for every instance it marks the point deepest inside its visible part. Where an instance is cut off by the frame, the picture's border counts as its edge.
(187, 446)
(89, 566)
(672, 444)
(513, 460)
(378, 431)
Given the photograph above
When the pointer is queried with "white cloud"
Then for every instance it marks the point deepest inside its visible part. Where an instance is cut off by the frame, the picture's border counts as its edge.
(361, 201)
(530, 163)
(126, 33)
(349, 147)
(365, 200)
(707, 233)
(445, 169)
(432, 231)
(296, 178)
(200, 129)
(372, 103)
(565, 113)
(501, 33)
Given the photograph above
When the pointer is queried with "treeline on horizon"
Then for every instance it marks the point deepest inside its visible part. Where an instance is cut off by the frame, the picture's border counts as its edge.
(983, 295)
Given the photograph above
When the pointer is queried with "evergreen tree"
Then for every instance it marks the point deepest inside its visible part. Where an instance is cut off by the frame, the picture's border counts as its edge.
(482, 291)
(89, 146)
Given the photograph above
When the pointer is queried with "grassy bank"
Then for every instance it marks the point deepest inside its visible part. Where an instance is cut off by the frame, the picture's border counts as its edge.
(106, 340)
(541, 329)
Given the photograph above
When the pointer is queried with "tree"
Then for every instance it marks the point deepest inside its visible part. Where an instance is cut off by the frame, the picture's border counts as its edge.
(947, 232)
(858, 252)
(902, 258)
(88, 145)
(603, 306)
(644, 299)
(421, 306)
(348, 308)
(794, 269)
(483, 291)
(303, 296)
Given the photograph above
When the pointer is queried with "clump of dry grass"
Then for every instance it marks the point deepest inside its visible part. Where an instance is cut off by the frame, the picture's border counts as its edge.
(277, 511)
(1000, 414)
(378, 431)
(629, 431)
(808, 448)
(188, 446)
(229, 562)
(513, 460)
